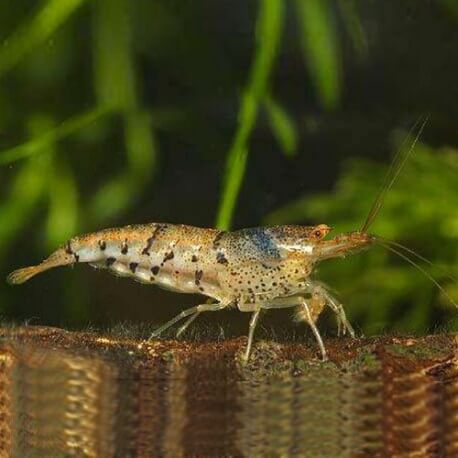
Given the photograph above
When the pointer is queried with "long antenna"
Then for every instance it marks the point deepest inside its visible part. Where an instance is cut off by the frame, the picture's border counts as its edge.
(396, 166)
(417, 266)
(418, 256)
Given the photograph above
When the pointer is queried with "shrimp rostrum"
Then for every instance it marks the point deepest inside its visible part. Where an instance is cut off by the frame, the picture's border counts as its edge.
(251, 269)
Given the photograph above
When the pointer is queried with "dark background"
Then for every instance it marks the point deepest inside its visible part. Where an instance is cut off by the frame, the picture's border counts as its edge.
(116, 112)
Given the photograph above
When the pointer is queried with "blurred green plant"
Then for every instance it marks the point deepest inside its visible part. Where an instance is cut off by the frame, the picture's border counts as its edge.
(45, 137)
(419, 211)
(282, 125)
(35, 31)
(321, 50)
(45, 177)
(268, 33)
(116, 93)
(322, 55)
(28, 186)
(115, 86)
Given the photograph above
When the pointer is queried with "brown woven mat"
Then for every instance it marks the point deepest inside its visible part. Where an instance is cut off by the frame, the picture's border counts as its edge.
(85, 394)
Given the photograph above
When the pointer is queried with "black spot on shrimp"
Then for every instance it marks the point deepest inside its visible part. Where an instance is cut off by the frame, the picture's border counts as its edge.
(124, 247)
(68, 248)
(168, 256)
(198, 276)
(155, 270)
(221, 259)
(110, 261)
(217, 239)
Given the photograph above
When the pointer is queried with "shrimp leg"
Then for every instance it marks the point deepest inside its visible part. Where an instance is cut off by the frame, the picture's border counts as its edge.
(253, 323)
(191, 311)
(310, 317)
(315, 331)
(184, 326)
(319, 292)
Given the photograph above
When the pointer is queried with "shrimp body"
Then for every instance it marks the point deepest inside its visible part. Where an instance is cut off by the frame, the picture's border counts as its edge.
(253, 269)
(167, 255)
(248, 265)
(164, 254)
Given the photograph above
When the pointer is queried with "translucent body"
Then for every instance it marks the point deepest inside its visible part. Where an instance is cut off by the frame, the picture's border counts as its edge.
(252, 269)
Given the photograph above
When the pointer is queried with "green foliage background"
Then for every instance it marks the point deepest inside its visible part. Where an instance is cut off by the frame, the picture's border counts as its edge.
(91, 107)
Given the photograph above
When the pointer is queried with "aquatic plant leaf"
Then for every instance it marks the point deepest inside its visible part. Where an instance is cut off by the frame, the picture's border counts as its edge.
(28, 186)
(268, 34)
(35, 31)
(115, 86)
(282, 126)
(114, 75)
(354, 27)
(62, 219)
(42, 140)
(322, 53)
(111, 199)
(140, 144)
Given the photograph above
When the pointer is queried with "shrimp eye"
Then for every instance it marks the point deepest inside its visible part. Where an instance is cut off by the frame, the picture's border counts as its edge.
(317, 234)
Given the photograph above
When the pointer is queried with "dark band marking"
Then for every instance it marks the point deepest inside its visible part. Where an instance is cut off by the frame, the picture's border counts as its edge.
(110, 261)
(124, 247)
(198, 276)
(221, 259)
(68, 248)
(216, 240)
(133, 266)
(168, 256)
(150, 241)
(102, 245)
(155, 270)
(194, 258)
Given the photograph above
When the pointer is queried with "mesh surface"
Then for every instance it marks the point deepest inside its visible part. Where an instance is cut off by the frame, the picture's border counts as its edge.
(85, 394)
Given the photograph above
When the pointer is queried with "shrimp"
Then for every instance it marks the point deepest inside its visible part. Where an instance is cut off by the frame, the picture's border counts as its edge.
(251, 269)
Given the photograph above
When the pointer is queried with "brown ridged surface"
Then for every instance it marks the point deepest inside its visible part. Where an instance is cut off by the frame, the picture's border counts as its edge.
(84, 394)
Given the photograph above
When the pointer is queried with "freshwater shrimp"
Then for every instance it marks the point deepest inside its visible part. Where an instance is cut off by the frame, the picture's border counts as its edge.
(251, 269)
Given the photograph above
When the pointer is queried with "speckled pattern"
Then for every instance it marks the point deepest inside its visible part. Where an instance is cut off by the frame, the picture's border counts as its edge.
(249, 265)
(245, 266)
(263, 267)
